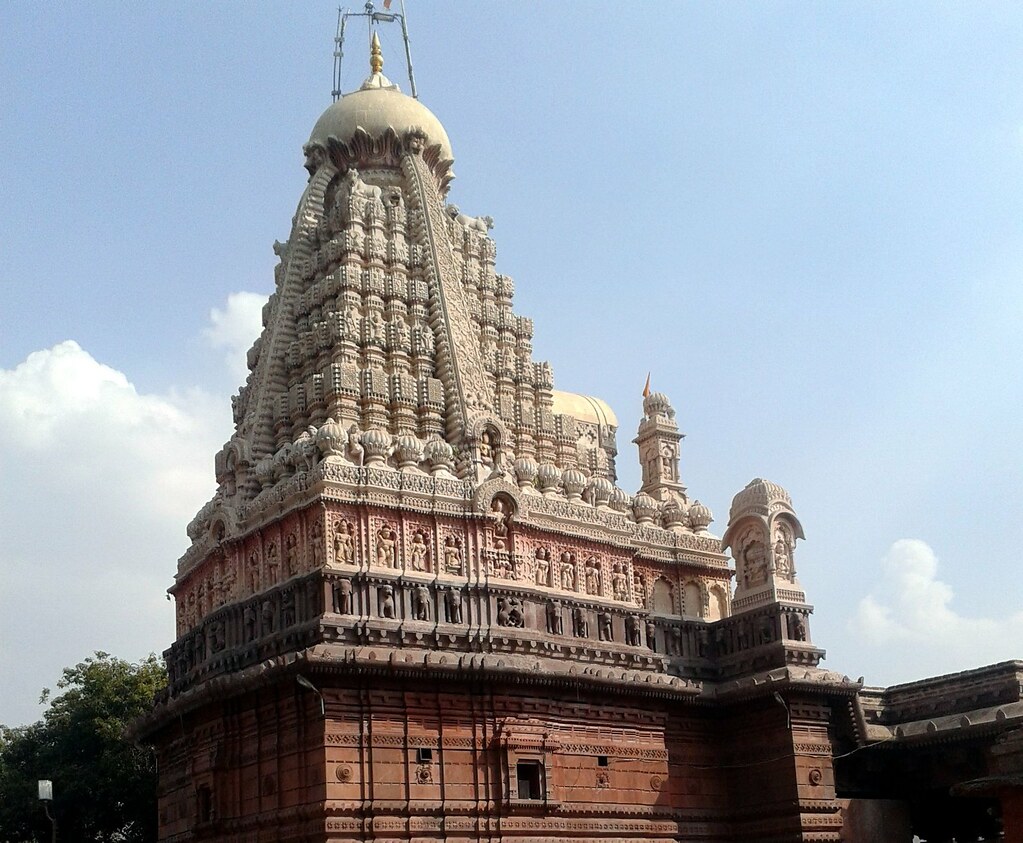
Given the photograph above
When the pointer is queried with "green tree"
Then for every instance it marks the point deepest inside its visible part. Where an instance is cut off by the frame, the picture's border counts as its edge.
(104, 786)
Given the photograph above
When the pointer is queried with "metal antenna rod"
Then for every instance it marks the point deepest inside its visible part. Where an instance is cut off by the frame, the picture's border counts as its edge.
(339, 42)
(408, 51)
(373, 17)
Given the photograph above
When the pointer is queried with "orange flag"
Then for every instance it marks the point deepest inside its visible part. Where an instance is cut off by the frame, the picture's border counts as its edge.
(646, 389)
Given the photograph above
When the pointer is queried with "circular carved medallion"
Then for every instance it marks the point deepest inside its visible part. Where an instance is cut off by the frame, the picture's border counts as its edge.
(656, 782)
(816, 777)
(343, 773)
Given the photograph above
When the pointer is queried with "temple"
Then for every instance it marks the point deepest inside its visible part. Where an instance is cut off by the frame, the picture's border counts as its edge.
(419, 606)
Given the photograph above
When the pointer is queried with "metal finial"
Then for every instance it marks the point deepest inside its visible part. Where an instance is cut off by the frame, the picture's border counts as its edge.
(376, 59)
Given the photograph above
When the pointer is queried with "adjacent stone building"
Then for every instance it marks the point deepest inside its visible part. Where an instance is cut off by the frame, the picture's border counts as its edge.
(420, 608)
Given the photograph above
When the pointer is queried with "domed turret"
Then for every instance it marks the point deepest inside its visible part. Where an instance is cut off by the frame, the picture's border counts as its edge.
(377, 106)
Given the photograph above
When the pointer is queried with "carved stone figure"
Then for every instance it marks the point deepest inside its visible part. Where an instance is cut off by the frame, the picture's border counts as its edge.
(619, 583)
(765, 631)
(419, 553)
(252, 573)
(343, 597)
(316, 542)
(421, 602)
(605, 628)
(783, 553)
(290, 555)
(249, 622)
(651, 635)
(452, 556)
(554, 620)
(486, 449)
(453, 604)
(267, 612)
(272, 562)
(509, 612)
(542, 572)
(501, 517)
(579, 626)
(675, 642)
(386, 539)
(592, 577)
(567, 571)
(639, 589)
(386, 602)
(344, 543)
(754, 558)
(288, 616)
(797, 627)
(633, 637)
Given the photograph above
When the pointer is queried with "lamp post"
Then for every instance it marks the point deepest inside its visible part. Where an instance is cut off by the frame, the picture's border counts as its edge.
(46, 796)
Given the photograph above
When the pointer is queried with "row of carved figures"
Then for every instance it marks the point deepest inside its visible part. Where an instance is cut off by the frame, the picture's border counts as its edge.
(510, 610)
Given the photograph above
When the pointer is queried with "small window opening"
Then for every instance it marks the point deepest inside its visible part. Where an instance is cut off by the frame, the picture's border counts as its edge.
(602, 761)
(528, 775)
(424, 755)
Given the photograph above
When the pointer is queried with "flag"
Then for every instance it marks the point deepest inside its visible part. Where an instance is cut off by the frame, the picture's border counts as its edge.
(387, 4)
(646, 389)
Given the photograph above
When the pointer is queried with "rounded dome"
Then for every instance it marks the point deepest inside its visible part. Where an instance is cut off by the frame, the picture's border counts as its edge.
(377, 106)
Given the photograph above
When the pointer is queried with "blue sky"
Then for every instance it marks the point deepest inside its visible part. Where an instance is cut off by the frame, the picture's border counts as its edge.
(805, 219)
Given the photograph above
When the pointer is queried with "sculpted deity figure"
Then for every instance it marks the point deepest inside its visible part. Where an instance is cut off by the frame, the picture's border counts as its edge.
(288, 616)
(290, 555)
(554, 621)
(386, 602)
(754, 560)
(344, 543)
(783, 553)
(619, 583)
(501, 517)
(316, 541)
(486, 448)
(605, 630)
(453, 604)
(543, 566)
(386, 538)
(421, 602)
(567, 571)
(252, 572)
(272, 563)
(579, 626)
(350, 326)
(419, 552)
(639, 589)
(592, 577)
(452, 556)
(343, 597)
(356, 452)
(797, 627)
(651, 635)
(375, 326)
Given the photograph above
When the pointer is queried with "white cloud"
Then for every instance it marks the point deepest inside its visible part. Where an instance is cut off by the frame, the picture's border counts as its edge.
(910, 616)
(99, 482)
(235, 328)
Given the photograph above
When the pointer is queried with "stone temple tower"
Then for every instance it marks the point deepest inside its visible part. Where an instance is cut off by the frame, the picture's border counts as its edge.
(419, 607)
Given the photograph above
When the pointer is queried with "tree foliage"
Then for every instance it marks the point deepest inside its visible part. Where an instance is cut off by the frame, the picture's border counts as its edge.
(104, 786)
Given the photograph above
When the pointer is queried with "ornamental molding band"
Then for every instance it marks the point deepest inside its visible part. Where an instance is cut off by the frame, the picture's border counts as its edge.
(420, 605)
